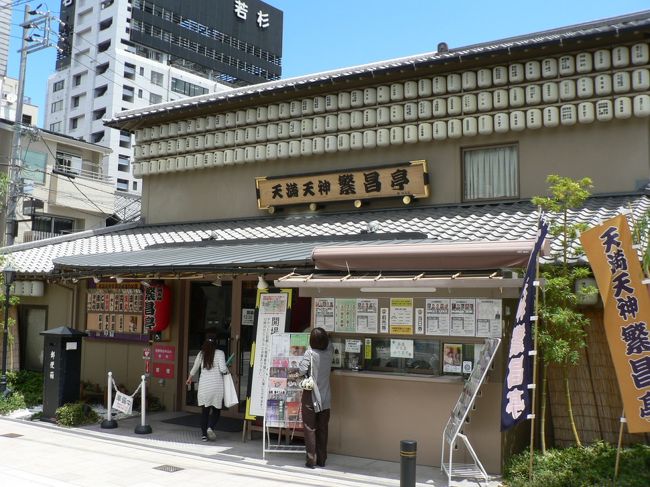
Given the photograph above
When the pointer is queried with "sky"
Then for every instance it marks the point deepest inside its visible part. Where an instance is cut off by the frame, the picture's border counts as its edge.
(320, 35)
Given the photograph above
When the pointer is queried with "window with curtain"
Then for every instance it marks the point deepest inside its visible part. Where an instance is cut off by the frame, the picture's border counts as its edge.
(490, 173)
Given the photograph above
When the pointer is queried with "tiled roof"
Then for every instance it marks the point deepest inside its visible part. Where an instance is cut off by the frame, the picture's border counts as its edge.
(612, 26)
(490, 222)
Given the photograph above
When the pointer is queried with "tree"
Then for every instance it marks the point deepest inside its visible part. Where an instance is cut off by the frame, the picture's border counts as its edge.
(561, 332)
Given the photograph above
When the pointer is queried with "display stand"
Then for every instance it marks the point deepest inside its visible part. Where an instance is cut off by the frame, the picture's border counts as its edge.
(283, 394)
(453, 430)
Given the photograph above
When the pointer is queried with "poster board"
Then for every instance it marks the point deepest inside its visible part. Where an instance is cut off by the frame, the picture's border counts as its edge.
(271, 316)
(283, 393)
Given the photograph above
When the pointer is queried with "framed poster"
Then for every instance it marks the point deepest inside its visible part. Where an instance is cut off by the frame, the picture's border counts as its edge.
(488, 318)
(452, 358)
(367, 310)
(463, 317)
(324, 313)
(401, 316)
(346, 316)
(437, 317)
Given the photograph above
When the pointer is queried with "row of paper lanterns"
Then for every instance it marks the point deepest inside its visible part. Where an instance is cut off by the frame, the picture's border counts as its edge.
(621, 107)
(587, 112)
(568, 65)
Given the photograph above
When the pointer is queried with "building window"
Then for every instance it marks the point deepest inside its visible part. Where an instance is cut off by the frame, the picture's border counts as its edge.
(135, 185)
(77, 79)
(123, 163)
(53, 224)
(490, 173)
(186, 88)
(129, 71)
(27, 119)
(125, 139)
(55, 127)
(102, 68)
(74, 123)
(97, 137)
(34, 166)
(105, 24)
(141, 71)
(128, 93)
(76, 100)
(156, 78)
(57, 106)
(153, 98)
(98, 114)
(139, 93)
(58, 86)
(122, 185)
(100, 91)
(103, 46)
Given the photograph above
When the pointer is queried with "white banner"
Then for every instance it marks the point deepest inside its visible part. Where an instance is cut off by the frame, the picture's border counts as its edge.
(123, 403)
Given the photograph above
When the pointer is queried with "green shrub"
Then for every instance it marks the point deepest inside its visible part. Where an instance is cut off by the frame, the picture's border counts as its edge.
(76, 414)
(11, 403)
(29, 384)
(581, 467)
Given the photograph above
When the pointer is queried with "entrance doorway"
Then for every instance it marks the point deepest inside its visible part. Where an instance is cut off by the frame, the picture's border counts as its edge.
(210, 311)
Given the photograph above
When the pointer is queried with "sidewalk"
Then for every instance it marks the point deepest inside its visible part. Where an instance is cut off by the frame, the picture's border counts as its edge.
(49, 455)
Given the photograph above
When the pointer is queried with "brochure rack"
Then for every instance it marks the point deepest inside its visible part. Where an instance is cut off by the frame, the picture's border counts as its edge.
(453, 431)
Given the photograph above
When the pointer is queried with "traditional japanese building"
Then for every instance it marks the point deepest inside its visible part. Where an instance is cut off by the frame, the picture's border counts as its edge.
(404, 185)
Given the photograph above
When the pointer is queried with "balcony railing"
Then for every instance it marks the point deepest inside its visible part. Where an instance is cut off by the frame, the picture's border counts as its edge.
(33, 235)
(88, 171)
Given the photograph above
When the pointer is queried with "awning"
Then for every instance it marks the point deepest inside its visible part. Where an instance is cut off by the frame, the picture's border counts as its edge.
(426, 256)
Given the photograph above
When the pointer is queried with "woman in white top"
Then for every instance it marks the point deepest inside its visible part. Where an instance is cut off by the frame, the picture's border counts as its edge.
(212, 363)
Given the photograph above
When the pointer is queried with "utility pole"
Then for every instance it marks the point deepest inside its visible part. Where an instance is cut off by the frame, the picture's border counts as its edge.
(30, 43)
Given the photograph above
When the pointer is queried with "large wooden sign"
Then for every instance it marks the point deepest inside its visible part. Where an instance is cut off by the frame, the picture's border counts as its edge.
(408, 179)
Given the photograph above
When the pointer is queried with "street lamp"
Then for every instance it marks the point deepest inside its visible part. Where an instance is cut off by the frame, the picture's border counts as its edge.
(9, 275)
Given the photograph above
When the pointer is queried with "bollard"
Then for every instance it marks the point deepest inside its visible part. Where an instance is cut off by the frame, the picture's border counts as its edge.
(109, 422)
(408, 450)
(143, 428)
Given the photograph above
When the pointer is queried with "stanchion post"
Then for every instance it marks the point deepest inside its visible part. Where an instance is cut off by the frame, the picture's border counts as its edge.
(143, 428)
(408, 450)
(109, 422)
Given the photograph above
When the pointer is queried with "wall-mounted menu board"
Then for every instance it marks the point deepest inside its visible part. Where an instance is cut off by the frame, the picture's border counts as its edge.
(115, 311)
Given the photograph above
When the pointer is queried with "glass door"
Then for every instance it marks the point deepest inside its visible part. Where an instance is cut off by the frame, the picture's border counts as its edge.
(210, 312)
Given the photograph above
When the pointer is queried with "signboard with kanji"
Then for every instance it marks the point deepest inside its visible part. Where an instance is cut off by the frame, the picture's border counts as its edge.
(409, 179)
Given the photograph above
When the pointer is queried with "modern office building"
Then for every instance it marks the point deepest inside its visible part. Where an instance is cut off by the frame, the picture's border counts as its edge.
(117, 55)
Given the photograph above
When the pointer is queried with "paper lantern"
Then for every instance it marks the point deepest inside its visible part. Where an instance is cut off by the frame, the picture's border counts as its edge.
(318, 125)
(603, 84)
(516, 73)
(469, 103)
(484, 101)
(620, 57)
(623, 107)
(343, 142)
(454, 106)
(369, 139)
(331, 123)
(249, 135)
(499, 75)
(534, 118)
(550, 92)
(642, 105)
(468, 80)
(318, 145)
(271, 131)
(249, 154)
(157, 302)
(424, 87)
(410, 90)
(640, 54)
(240, 156)
(331, 143)
(439, 85)
(396, 113)
(604, 110)
(549, 68)
(383, 116)
(356, 98)
(396, 136)
(260, 153)
(586, 112)
(485, 125)
(568, 115)
(273, 112)
(533, 70)
(585, 87)
(425, 111)
(343, 121)
(356, 141)
(383, 138)
(307, 107)
(331, 103)
(306, 126)
(208, 140)
(370, 96)
(410, 134)
(284, 111)
(369, 117)
(383, 94)
(501, 123)
(602, 59)
(454, 129)
(251, 115)
(484, 78)
(319, 104)
(584, 63)
(640, 80)
(271, 152)
(454, 83)
(356, 119)
(283, 150)
(425, 132)
(517, 120)
(533, 95)
(439, 130)
(439, 107)
(470, 126)
(621, 82)
(397, 92)
(295, 108)
(500, 99)
(566, 65)
(567, 89)
(516, 97)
